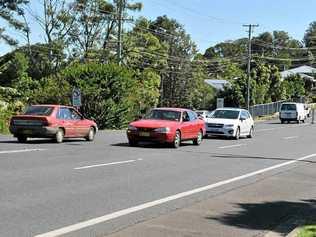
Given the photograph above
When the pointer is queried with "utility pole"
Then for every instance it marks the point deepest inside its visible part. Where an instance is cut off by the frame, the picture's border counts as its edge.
(121, 6)
(250, 29)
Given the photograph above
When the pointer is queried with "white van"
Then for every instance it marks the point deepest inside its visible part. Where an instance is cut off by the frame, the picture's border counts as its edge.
(292, 112)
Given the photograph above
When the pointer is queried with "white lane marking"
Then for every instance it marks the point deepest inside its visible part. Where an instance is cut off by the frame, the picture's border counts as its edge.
(288, 138)
(140, 207)
(231, 146)
(20, 151)
(106, 164)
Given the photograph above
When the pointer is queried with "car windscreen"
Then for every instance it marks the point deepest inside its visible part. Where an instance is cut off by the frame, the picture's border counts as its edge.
(288, 107)
(225, 114)
(39, 110)
(163, 115)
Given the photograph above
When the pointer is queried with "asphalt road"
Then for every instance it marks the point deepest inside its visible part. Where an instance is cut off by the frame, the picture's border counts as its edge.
(46, 186)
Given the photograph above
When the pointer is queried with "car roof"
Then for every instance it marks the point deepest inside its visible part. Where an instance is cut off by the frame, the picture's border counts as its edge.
(231, 108)
(173, 109)
(51, 105)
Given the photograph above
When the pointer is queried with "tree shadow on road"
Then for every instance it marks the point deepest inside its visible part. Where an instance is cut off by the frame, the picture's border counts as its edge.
(234, 156)
(150, 145)
(279, 216)
(41, 141)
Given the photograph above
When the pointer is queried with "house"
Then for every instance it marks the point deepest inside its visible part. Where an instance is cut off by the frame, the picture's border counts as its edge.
(218, 85)
(305, 72)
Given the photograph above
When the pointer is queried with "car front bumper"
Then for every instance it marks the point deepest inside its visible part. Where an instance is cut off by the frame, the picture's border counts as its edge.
(225, 132)
(33, 131)
(151, 137)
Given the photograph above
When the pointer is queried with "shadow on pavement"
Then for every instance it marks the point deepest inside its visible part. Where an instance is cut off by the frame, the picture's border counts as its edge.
(42, 141)
(268, 216)
(234, 156)
(150, 145)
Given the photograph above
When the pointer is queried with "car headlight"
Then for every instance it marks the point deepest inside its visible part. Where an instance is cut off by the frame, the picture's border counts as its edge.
(132, 128)
(229, 125)
(162, 130)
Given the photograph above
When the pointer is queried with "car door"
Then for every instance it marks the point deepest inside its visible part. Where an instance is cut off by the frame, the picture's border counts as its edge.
(194, 124)
(65, 121)
(80, 124)
(244, 123)
(185, 126)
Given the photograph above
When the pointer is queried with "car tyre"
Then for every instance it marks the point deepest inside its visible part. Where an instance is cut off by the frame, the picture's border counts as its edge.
(132, 143)
(251, 132)
(282, 121)
(198, 139)
(237, 136)
(59, 137)
(22, 139)
(91, 135)
(177, 140)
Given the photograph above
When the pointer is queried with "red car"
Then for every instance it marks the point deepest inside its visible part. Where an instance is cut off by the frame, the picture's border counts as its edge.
(52, 121)
(167, 125)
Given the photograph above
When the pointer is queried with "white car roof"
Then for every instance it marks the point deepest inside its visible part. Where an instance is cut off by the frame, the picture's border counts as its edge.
(236, 109)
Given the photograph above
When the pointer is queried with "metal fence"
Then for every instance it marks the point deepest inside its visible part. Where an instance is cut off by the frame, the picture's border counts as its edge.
(271, 108)
(265, 109)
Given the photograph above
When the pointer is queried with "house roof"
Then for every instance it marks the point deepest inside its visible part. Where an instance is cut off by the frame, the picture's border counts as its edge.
(217, 84)
(302, 71)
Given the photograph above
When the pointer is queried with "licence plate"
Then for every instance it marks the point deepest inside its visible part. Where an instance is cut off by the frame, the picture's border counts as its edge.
(215, 129)
(144, 134)
(27, 132)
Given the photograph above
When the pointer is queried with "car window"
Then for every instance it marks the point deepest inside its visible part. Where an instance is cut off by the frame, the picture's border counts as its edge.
(39, 110)
(159, 114)
(193, 115)
(64, 114)
(75, 115)
(244, 115)
(288, 107)
(248, 114)
(185, 117)
(225, 114)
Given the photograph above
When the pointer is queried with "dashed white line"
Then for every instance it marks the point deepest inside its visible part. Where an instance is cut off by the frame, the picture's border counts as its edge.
(231, 146)
(288, 138)
(21, 151)
(124, 212)
(107, 164)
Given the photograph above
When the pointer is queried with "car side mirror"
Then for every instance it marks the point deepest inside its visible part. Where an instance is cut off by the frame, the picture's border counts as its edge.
(242, 119)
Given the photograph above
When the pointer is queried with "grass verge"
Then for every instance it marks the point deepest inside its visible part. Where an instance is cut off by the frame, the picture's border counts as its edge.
(307, 231)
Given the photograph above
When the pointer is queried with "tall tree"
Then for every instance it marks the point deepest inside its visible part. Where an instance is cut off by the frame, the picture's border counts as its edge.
(181, 51)
(10, 10)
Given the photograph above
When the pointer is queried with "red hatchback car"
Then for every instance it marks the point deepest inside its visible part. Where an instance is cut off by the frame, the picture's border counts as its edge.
(52, 121)
(167, 125)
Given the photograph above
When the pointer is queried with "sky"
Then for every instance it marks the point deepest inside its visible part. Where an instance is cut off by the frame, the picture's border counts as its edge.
(213, 21)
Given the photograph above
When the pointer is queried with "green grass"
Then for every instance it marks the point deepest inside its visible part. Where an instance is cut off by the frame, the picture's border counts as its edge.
(307, 231)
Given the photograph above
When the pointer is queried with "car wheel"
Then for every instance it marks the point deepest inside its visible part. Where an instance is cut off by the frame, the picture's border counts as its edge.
(91, 135)
(282, 121)
(132, 143)
(59, 136)
(22, 139)
(251, 133)
(199, 139)
(177, 139)
(237, 136)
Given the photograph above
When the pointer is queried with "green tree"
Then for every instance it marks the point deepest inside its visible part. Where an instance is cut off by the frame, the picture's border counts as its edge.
(10, 11)
(108, 92)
